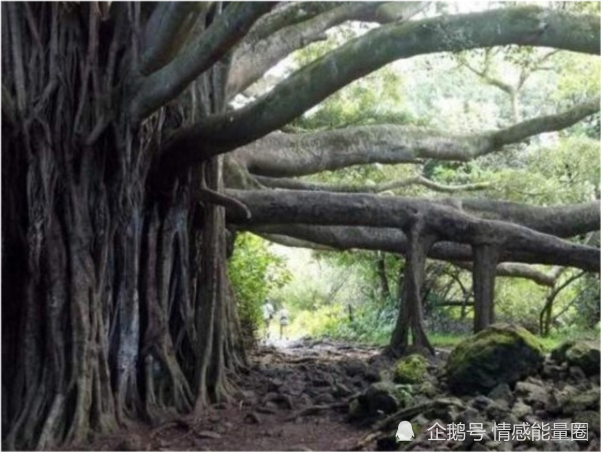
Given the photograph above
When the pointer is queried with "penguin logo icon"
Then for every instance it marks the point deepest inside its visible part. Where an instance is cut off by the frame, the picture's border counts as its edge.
(404, 432)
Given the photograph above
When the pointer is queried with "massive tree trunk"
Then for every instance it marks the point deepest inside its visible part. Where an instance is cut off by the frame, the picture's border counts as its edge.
(115, 298)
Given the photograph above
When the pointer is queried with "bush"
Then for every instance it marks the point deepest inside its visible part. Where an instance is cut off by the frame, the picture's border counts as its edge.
(254, 271)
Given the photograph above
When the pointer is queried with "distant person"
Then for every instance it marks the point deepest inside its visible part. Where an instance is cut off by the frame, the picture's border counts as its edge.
(284, 321)
(267, 311)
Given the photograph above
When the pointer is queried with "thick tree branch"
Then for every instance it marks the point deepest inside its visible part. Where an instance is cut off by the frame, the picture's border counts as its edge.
(295, 184)
(153, 91)
(310, 85)
(166, 31)
(394, 241)
(282, 155)
(560, 221)
(447, 224)
(251, 61)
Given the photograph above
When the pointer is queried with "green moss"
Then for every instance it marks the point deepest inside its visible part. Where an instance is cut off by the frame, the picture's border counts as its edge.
(583, 354)
(501, 353)
(411, 369)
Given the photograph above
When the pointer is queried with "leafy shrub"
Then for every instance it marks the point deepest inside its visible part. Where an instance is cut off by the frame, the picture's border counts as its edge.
(254, 271)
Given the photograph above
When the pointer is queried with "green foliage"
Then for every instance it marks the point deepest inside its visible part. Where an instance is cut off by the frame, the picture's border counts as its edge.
(255, 271)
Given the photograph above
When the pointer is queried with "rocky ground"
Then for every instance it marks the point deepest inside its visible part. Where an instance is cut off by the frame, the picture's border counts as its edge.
(319, 395)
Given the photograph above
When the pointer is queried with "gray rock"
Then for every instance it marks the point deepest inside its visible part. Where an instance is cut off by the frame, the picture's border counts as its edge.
(561, 445)
(208, 434)
(583, 354)
(481, 402)
(587, 400)
(576, 373)
(533, 394)
(505, 446)
(520, 410)
(252, 418)
(501, 392)
(479, 446)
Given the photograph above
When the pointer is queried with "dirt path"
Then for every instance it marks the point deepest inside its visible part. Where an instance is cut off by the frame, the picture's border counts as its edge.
(282, 383)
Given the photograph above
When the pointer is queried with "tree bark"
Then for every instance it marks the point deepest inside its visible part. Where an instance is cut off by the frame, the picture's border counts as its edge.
(484, 273)
(410, 318)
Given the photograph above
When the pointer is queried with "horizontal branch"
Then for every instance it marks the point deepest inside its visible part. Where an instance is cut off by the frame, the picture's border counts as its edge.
(156, 89)
(310, 85)
(444, 223)
(295, 184)
(561, 221)
(284, 155)
(328, 238)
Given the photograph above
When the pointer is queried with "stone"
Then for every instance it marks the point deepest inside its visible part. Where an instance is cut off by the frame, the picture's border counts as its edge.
(250, 397)
(496, 412)
(520, 410)
(576, 373)
(505, 446)
(132, 442)
(589, 417)
(501, 353)
(481, 402)
(252, 418)
(479, 446)
(208, 434)
(380, 397)
(533, 394)
(583, 354)
(266, 410)
(560, 445)
(325, 398)
(501, 392)
(411, 369)
(586, 400)
(342, 390)
(355, 367)
(428, 389)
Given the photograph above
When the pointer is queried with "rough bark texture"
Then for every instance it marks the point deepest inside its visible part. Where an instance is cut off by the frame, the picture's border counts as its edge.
(484, 273)
(411, 318)
(111, 288)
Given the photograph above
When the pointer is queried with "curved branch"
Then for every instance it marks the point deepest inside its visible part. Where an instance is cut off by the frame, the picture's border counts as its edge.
(251, 61)
(312, 84)
(447, 224)
(282, 154)
(294, 184)
(153, 91)
(166, 31)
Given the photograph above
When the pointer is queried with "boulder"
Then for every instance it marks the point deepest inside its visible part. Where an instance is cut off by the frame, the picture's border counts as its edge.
(532, 394)
(583, 354)
(501, 353)
(411, 369)
(378, 398)
(586, 400)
